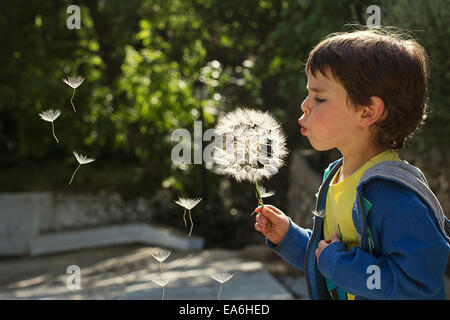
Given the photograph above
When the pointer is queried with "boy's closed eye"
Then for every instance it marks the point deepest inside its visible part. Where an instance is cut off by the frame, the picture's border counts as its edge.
(320, 100)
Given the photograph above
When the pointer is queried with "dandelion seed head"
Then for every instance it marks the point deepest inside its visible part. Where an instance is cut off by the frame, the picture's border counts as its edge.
(73, 82)
(188, 203)
(253, 145)
(49, 115)
(222, 277)
(82, 159)
(160, 254)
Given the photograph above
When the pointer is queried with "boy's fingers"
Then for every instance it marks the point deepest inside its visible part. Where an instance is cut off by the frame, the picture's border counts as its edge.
(259, 228)
(262, 220)
(271, 213)
(275, 209)
(334, 237)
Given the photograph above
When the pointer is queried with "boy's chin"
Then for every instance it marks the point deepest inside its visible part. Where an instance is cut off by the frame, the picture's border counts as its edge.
(319, 147)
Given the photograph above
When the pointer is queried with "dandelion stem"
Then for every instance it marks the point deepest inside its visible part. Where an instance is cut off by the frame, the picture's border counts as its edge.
(162, 272)
(259, 194)
(262, 203)
(53, 130)
(192, 223)
(184, 217)
(162, 298)
(71, 100)
(220, 290)
(79, 165)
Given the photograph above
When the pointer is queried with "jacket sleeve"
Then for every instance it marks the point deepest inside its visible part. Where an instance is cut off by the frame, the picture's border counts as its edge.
(293, 246)
(411, 257)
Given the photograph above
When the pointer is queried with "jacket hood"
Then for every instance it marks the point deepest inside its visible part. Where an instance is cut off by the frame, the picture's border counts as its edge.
(411, 177)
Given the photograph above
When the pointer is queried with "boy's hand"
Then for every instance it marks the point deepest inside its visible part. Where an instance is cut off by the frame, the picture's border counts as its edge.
(324, 243)
(280, 223)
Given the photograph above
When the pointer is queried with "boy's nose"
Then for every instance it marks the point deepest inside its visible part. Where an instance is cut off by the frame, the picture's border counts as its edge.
(305, 105)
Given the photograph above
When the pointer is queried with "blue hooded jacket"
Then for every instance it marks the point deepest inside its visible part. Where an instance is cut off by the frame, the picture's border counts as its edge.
(403, 237)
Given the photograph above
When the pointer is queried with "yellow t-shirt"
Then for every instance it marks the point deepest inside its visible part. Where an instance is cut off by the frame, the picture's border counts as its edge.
(340, 199)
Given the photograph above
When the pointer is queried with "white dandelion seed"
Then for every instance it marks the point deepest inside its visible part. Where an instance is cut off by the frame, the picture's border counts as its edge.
(253, 146)
(320, 213)
(188, 204)
(50, 116)
(162, 282)
(265, 193)
(81, 160)
(73, 82)
(161, 254)
(221, 277)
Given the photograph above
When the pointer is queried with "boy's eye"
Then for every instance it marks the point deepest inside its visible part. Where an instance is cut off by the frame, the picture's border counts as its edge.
(320, 100)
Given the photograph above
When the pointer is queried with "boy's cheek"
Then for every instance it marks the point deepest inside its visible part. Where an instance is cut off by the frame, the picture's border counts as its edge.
(321, 125)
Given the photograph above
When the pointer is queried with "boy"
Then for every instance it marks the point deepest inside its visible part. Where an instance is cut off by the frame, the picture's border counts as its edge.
(379, 231)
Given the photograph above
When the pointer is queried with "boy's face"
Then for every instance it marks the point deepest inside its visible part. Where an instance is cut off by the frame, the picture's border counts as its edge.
(327, 121)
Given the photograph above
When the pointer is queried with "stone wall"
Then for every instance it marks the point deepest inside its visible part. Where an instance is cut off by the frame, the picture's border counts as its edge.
(62, 212)
(25, 216)
(303, 185)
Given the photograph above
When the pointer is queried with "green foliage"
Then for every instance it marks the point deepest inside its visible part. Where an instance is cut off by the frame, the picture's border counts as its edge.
(141, 60)
(428, 22)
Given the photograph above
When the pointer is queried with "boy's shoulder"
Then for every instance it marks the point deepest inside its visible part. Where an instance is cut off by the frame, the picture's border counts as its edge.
(389, 181)
(393, 186)
(391, 197)
(401, 175)
(398, 186)
(398, 180)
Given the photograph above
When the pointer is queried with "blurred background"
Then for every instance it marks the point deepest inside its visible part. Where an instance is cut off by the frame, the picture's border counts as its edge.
(154, 66)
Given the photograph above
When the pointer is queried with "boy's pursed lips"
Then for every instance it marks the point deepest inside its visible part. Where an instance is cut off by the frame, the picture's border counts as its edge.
(302, 127)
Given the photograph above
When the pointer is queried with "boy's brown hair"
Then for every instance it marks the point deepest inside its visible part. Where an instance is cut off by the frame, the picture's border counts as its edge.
(375, 63)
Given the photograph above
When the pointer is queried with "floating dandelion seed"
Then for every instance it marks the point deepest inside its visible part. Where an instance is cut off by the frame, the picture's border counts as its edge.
(162, 282)
(221, 277)
(188, 204)
(253, 146)
(50, 116)
(264, 194)
(81, 160)
(320, 213)
(73, 82)
(161, 254)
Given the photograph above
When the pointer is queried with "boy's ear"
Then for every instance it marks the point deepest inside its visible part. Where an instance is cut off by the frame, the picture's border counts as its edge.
(373, 112)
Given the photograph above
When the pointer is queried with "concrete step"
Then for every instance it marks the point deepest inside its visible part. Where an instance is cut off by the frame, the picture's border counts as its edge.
(113, 235)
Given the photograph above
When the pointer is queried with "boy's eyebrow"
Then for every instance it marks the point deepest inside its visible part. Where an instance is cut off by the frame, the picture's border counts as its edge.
(316, 89)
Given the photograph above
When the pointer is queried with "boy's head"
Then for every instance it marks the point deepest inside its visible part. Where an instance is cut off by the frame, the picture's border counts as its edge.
(375, 69)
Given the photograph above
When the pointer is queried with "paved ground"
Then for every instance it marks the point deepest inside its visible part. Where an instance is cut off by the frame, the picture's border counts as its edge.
(126, 272)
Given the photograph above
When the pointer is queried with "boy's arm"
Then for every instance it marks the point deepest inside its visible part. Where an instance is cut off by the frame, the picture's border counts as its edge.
(413, 252)
(293, 246)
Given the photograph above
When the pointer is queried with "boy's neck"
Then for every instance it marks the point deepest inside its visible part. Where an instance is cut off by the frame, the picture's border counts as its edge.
(354, 159)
